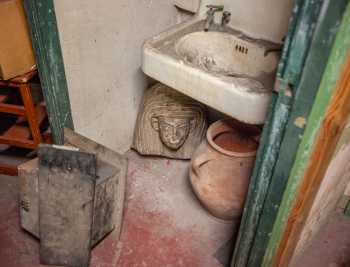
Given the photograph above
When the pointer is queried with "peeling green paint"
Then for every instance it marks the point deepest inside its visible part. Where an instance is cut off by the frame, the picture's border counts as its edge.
(305, 93)
(295, 50)
(339, 52)
(45, 38)
(258, 187)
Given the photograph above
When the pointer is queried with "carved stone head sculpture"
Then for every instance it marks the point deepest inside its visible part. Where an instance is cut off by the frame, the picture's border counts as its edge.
(169, 124)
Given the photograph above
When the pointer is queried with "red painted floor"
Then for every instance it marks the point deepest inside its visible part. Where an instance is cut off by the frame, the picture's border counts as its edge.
(164, 224)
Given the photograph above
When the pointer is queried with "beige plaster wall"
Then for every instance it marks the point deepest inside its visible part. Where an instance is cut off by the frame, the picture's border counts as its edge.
(265, 19)
(101, 43)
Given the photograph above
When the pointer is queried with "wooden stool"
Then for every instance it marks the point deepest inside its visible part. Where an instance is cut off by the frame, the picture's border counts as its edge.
(18, 135)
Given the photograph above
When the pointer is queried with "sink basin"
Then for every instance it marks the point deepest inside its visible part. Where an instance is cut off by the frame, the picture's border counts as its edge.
(225, 69)
(217, 52)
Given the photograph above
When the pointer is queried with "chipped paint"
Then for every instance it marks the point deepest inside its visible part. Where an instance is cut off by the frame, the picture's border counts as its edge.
(331, 74)
(43, 26)
(300, 122)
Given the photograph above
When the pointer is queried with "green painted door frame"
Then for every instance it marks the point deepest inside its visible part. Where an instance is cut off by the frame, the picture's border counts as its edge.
(42, 23)
(304, 97)
(327, 88)
(296, 48)
(311, 34)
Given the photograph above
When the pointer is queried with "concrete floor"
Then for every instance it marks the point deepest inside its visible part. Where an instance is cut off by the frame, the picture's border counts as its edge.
(164, 226)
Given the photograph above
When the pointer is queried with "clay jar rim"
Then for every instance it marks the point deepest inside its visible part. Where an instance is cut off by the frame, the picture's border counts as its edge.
(230, 125)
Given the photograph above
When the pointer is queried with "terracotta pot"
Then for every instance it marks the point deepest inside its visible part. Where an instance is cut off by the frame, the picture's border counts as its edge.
(221, 167)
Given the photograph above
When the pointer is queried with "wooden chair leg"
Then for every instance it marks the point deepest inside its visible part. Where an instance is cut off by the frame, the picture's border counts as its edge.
(30, 112)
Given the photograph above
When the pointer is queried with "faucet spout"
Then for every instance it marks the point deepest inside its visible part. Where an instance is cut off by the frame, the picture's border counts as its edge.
(208, 22)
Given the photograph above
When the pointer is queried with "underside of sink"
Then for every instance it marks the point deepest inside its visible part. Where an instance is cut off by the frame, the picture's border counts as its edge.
(225, 70)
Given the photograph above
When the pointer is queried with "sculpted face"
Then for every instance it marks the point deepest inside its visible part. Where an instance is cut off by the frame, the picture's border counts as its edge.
(173, 131)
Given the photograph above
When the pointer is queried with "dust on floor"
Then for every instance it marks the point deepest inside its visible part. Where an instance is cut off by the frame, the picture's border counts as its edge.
(164, 224)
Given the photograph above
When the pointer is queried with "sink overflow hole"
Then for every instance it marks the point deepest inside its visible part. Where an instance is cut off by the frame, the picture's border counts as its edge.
(241, 49)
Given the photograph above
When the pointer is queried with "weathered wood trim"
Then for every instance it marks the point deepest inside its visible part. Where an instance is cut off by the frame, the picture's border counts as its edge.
(297, 44)
(292, 27)
(302, 185)
(305, 94)
(329, 134)
(45, 38)
(272, 134)
(300, 43)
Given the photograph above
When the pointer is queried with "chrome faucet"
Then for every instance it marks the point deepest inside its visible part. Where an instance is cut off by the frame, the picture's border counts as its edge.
(209, 22)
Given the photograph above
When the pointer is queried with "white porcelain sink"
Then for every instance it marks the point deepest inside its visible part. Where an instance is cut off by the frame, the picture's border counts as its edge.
(227, 70)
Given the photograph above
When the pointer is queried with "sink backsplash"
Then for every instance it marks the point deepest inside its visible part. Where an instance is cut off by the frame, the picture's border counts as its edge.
(261, 19)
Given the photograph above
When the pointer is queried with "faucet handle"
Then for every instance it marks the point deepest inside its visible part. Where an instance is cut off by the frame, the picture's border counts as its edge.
(226, 17)
(215, 8)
